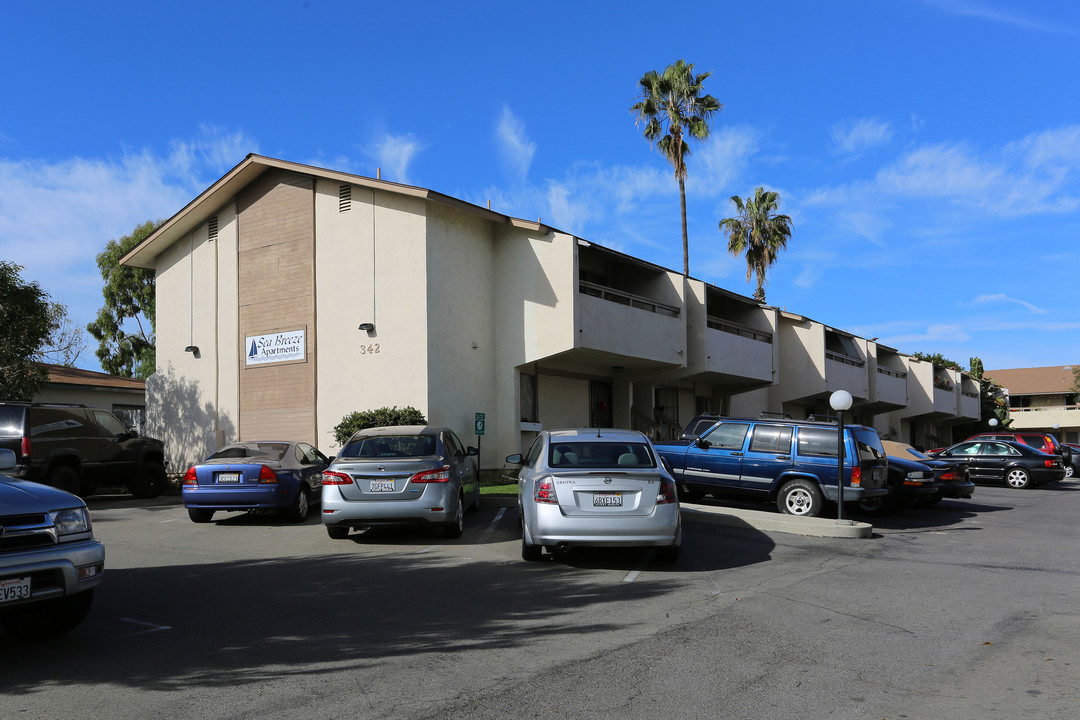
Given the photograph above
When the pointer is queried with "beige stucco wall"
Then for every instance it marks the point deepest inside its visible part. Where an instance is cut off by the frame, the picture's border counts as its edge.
(192, 400)
(357, 280)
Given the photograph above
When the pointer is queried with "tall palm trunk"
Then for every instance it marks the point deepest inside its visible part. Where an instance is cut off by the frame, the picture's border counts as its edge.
(685, 237)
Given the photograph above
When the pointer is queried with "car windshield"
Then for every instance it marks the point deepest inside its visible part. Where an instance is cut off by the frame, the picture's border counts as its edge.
(390, 446)
(255, 451)
(600, 455)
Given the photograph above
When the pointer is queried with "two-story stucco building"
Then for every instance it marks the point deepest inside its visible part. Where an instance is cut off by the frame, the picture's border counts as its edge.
(290, 296)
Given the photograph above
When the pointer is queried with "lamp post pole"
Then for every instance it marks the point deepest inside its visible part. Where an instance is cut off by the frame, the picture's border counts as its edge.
(840, 401)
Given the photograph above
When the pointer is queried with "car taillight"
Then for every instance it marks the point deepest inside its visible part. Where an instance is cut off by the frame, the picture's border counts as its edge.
(545, 492)
(332, 477)
(432, 476)
(189, 477)
(1052, 463)
(24, 448)
(667, 492)
(951, 475)
(267, 476)
(856, 475)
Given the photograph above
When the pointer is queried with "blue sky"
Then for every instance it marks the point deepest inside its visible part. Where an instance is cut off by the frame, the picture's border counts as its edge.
(928, 151)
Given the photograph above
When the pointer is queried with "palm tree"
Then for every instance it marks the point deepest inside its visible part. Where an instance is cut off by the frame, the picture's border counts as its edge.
(672, 107)
(759, 232)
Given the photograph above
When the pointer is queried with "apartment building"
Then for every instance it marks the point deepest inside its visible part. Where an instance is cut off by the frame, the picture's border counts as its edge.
(1043, 398)
(291, 295)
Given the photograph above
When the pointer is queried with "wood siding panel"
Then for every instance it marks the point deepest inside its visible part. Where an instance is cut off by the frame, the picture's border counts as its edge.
(276, 284)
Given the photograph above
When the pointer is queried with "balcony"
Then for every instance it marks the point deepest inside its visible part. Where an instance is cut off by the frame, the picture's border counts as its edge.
(626, 324)
(737, 350)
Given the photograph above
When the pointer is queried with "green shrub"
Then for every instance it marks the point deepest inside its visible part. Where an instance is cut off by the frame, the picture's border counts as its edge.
(376, 418)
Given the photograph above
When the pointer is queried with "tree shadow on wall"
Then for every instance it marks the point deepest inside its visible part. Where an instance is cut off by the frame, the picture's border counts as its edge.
(178, 414)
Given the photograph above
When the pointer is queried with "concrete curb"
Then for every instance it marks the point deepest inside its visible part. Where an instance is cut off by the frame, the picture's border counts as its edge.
(757, 519)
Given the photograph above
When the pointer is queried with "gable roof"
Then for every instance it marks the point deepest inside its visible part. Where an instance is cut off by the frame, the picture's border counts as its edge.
(62, 375)
(211, 200)
(1053, 380)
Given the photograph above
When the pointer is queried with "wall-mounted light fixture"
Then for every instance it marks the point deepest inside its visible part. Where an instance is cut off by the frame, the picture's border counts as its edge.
(192, 349)
(369, 327)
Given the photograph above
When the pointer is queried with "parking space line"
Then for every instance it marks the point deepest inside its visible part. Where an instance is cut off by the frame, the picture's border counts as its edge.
(633, 574)
(487, 534)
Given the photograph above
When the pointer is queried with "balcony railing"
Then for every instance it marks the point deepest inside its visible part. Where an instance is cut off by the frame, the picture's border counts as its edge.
(892, 373)
(1058, 408)
(625, 298)
(734, 328)
(856, 362)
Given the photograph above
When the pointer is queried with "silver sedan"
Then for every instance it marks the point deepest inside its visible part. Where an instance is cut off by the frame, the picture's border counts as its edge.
(604, 488)
(401, 475)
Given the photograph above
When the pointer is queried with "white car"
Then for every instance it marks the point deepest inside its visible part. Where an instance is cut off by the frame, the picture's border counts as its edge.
(597, 487)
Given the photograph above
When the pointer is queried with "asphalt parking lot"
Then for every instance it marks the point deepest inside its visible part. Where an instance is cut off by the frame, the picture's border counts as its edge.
(968, 609)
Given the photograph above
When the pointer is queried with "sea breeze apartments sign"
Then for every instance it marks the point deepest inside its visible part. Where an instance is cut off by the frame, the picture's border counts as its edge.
(275, 348)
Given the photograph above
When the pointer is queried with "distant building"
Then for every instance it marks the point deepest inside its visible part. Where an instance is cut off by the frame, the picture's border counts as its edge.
(1042, 398)
(125, 397)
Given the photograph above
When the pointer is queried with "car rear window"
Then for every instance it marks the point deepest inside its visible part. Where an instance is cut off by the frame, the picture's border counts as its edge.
(869, 444)
(58, 422)
(817, 441)
(264, 452)
(11, 421)
(390, 446)
(600, 455)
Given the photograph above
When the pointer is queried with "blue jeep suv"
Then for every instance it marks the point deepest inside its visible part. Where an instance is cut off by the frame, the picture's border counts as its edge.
(790, 461)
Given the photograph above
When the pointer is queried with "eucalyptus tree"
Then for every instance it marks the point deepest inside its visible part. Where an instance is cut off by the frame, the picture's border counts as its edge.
(759, 232)
(672, 107)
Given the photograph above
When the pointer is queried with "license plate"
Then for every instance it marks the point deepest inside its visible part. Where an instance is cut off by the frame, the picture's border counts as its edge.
(14, 589)
(228, 477)
(607, 500)
(382, 486)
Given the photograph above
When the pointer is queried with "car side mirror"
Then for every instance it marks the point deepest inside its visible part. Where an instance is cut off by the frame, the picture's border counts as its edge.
(702, 443)
(7, 460)
(514, 459)
(471, 451)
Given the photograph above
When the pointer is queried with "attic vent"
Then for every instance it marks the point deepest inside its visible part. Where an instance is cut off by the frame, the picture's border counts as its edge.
(344, 198)
(212, 230)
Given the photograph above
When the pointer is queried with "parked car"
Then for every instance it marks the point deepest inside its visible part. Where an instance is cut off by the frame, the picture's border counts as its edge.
(950, 481)
(77, 449)
(255, 475)
(401, 475)
(698, 425)
(1045, 442)
(1072, 467)
(1016, 464)
(793, 462)
(50, 561)
(596, 487)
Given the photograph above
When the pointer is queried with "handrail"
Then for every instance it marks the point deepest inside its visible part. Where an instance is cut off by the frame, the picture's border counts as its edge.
(830, 355)
(894, 373)
(624, 298)
(735, 328)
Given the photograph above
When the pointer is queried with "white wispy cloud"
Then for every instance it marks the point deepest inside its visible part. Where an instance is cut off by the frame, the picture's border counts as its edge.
(1003, 298)
(853, 137)
(394, 153)
(515, 150)
(988, 11)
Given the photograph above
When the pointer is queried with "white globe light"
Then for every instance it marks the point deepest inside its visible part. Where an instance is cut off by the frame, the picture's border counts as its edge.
(993, 422)
(840, 400)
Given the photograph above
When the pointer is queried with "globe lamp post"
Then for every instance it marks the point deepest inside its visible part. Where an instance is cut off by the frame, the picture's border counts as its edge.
(840, 401)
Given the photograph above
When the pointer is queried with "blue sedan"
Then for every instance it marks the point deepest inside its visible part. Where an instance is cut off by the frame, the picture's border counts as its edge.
(255, 475)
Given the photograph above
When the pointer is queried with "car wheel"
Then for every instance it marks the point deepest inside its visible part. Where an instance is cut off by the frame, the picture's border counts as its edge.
(200, 515)
(337, 532)
(687, 495)
(800, 497)
(47, 618)
(298, 511)
(1069, 471)
(476, 499)
(150, 481)
(1017, 478)
(530, 553)
(872, 506)
(931, 500)
(65, 479)
(454, 528)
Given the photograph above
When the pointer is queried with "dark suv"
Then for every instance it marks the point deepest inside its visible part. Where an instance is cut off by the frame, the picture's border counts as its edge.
(77, 449)
(793, 462)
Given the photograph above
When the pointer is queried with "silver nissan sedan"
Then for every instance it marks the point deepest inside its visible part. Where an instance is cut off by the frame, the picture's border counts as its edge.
(400, 475)
(598, 487)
